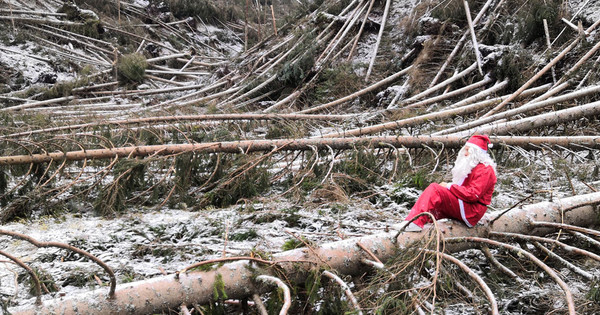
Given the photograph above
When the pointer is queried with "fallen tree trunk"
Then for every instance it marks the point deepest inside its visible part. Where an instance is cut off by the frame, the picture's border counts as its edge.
(451, 111)
(171, 291)
(523, 109)
(247, 146)
(181, 118)
(368, 89)
(530, 123)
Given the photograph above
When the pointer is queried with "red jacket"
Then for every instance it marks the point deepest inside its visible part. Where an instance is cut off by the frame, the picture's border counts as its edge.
(475, 193)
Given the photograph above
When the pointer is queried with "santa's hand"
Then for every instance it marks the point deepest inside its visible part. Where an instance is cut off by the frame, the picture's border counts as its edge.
(444, 184)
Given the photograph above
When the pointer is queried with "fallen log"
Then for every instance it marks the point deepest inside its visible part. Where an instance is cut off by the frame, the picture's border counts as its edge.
(171, 291)
(547, 119)
(530, 143)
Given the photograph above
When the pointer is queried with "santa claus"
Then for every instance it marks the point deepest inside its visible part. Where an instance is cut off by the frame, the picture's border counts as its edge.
(466, 198)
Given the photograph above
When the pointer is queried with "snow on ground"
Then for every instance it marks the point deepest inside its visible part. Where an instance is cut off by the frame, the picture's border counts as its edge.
(20, 57)
(149, 242)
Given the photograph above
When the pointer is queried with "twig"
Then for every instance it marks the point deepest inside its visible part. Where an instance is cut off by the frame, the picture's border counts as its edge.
(111, 274)
(346, 289)
(575, 269)
(497, 264)
(287, 299)
(512, 207)
(259, 304)
(474, 276)
(309, 247)
(225, 259)
(535, 260)
(359, 244)
(34, 277)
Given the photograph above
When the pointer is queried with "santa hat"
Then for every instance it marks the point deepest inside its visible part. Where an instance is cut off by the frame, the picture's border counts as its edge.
(481, 141)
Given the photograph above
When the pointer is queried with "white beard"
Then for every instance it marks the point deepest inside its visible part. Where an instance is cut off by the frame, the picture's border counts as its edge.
(462, 167)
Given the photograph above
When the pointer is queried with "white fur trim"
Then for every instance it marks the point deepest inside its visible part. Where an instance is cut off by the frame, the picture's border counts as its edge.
(461, 204)
(471, 145)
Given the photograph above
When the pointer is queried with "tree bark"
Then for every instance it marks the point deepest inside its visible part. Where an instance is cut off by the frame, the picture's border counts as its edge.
(523, 109)
(370, 88)
(247, 146)
(394, 125)
(169, 292)
(381, 29)
(533, 122)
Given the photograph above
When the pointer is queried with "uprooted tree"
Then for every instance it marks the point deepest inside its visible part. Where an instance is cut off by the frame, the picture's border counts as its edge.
(212, 104)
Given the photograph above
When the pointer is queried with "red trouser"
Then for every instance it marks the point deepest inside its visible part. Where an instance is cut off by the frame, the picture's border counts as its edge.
(437, 200)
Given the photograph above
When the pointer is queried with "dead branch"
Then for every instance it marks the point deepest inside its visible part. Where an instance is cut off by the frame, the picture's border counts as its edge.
(484, 287)
(368, 89)
(497, 264)
(532, 238)
(535, 260)
(346, 289)
(111, 274)
(588, 276)
(287, 301)
(34, 277)
(565, 227)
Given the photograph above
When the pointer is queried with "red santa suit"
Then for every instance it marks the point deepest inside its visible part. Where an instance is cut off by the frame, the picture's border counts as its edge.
(466, 202)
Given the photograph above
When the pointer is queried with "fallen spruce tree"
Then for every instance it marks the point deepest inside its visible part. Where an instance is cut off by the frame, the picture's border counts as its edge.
(247, 146)
(237, 279)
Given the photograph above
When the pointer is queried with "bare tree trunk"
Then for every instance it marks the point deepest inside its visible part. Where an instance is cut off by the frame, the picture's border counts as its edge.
(383, 19)
(362, 26)
(393, 125)
(460, 44)
(484, 81)
(473, 36)
(169, 292)
(537, 121)
(540, 73)
(522, 109)
(247, 146)
(441, 85)
(359, 93)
